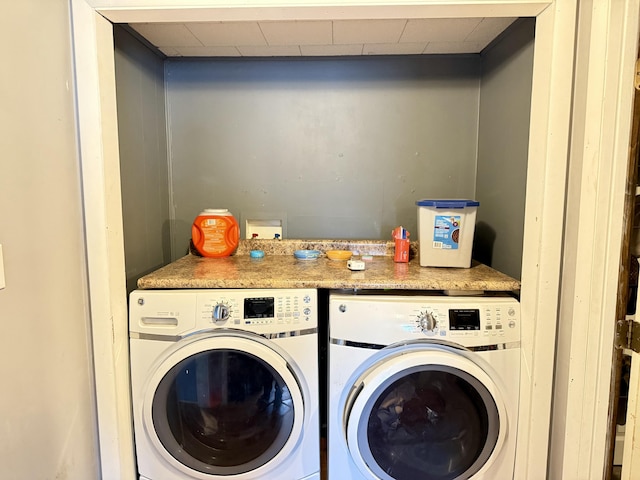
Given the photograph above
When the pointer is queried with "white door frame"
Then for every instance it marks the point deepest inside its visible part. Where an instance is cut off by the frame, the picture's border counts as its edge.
(602, 116)
(93, 56)
(548, 153)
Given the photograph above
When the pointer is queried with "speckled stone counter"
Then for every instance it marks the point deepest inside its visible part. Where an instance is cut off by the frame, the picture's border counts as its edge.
(280, 269)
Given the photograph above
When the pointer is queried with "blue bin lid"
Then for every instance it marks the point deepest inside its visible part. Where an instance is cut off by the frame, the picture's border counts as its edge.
(447, 203)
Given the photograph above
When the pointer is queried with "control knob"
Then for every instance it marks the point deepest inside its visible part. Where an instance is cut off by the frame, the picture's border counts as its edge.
(220, 313)
(428, 322)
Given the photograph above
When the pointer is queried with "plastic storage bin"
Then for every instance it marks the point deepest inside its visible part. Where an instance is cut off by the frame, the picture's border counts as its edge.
(445, 232)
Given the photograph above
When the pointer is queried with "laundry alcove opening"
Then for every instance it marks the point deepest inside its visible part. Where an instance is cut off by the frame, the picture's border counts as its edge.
(340, 146)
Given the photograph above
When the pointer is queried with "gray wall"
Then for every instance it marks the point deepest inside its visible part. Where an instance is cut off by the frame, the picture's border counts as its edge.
(341, 147)
(336, 147)
(47, 402)
(143, 156)
(503, 140)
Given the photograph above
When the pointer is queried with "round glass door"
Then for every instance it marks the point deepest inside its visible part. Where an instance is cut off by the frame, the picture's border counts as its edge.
(426, 420)
(225, 411)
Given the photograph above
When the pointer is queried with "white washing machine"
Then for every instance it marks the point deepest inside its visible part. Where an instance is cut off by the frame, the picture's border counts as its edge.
(225, 384)
(422, 387)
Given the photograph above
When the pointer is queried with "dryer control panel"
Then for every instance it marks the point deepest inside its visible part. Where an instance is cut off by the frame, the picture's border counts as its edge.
(262, 311)
(483, 319)
(468, 321)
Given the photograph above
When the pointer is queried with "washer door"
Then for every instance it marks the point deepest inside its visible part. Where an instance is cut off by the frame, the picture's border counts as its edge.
(225, 405)
(428, 412)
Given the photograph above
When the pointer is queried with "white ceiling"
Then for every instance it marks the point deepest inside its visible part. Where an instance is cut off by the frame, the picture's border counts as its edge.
(323, 37)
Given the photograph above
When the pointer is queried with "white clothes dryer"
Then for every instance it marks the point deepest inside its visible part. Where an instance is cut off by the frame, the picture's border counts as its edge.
(225, 384)
(422, 387)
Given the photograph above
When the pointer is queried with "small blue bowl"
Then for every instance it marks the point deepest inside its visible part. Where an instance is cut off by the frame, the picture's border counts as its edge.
(306, 254)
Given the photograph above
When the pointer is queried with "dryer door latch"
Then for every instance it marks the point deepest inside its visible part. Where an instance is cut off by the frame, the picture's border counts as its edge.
(628, 334)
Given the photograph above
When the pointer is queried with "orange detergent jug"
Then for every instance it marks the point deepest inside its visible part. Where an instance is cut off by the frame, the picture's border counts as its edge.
(215, 233)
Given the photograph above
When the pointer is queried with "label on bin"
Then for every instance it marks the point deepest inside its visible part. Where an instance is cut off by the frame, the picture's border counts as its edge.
(446, 232)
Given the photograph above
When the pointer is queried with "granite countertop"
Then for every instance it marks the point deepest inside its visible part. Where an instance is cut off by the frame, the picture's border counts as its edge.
(280, 269)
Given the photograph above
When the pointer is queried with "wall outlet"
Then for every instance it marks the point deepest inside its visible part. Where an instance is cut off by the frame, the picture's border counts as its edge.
(2, 284)
(264, 229)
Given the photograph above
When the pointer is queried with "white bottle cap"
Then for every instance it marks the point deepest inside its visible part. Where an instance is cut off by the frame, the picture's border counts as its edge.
(216, 211)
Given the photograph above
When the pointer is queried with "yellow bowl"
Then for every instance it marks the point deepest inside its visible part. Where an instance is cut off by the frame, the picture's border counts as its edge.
(339, 254)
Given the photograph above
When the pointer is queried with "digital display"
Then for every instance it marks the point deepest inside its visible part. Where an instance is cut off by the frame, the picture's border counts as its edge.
(259, 307)
(464, 319)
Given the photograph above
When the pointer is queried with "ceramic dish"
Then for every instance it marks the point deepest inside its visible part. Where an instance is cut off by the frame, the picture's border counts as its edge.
(306, 254)
(339, 254)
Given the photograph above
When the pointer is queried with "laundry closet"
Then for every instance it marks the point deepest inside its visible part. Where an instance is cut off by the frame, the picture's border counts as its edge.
(336, 147)
(342, 147)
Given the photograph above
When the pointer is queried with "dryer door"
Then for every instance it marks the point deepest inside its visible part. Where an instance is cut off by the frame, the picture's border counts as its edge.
(428, 413)
(225, 405)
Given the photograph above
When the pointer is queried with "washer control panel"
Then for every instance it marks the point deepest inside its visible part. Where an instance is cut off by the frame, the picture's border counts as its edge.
(176, 312)
(263, 307)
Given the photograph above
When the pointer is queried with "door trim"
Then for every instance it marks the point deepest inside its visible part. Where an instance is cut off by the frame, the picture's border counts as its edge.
(601, 123)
